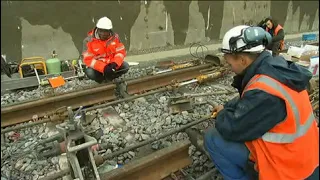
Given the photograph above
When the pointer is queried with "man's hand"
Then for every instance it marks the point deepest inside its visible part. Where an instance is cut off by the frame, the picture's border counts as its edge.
(110, 68)
(218, 109)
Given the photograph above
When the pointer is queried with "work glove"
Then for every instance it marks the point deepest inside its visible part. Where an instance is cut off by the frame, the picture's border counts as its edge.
(237, 83)
(110, 68)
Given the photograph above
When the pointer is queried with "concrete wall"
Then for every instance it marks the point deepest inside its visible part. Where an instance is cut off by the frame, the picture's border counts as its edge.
(35, 28)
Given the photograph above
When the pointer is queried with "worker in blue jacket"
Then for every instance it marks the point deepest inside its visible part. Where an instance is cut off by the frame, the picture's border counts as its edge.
(248, 119)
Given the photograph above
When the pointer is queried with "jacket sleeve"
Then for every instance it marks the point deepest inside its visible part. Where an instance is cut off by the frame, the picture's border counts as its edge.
(90, 61)
(85, 42)
(119, 54)
(250, 117)
(279, 36)
(232, 103)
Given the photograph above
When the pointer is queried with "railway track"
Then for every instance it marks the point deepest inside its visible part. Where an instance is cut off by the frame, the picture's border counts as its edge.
(24, 112)
(46, 107)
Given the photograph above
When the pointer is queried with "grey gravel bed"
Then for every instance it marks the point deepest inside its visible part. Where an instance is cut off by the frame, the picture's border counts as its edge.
(140, 119)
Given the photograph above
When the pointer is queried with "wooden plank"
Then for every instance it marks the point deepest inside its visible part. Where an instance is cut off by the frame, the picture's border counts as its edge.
(155, 166)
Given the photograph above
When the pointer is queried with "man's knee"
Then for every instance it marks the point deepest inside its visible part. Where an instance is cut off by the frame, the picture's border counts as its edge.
(124, 67)
(94, 75)
(210, 137)
(122, 70)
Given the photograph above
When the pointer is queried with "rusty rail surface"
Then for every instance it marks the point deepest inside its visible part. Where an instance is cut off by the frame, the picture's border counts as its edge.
(20, 113)
(156, 166)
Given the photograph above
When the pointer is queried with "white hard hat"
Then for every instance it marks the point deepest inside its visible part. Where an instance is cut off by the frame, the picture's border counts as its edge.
(104, 23)
(237, 38)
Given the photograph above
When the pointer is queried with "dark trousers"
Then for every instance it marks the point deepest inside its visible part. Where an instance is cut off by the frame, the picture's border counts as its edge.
(274, 47)
(231, 158)
(99, 77)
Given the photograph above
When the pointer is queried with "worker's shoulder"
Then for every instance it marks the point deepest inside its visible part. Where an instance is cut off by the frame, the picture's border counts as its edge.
(116, 38)
(114, 41)
(90, 36)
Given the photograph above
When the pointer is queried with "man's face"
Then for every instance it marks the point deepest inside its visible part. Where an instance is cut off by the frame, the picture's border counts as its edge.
(236, 62)
(269, 24)
(104, 34)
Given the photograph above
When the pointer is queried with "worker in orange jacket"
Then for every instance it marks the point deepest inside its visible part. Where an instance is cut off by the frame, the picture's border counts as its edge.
(103, 53)
(277, 33)
(270, 131)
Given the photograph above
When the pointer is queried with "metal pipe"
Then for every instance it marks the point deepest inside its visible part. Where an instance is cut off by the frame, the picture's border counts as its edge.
(35, 70)
(163, 71)
(155, 138)
(188, 82)
(81, 146)
(205, 94)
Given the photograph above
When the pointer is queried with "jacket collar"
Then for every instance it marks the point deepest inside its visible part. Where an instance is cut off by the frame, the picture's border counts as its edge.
(252, 69)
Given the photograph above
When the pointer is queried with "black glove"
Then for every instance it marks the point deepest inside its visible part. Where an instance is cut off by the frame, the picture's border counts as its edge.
(237, 83)
(110, 68)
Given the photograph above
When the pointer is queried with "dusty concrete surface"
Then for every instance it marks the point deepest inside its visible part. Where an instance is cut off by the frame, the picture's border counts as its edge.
(36, 28)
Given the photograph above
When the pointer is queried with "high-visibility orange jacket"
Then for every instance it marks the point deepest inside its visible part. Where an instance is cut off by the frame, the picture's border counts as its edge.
(276, 30)
(97, 54)
(290, 150)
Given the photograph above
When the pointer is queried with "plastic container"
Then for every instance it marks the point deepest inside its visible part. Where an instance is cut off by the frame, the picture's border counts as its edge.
(53, 65)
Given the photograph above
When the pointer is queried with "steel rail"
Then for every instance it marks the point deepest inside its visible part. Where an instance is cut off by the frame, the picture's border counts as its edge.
(20, 113)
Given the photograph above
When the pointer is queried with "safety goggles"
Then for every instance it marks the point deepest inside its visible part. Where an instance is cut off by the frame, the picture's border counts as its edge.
(251, 36)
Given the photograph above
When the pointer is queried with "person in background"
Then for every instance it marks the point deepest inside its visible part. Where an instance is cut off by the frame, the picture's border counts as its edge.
(103, 53)
(270, 131)
(277, 33)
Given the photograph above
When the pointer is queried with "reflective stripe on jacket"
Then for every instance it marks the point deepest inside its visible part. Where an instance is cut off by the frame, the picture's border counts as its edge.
(290, 150)
(277, 29)
(99, 54)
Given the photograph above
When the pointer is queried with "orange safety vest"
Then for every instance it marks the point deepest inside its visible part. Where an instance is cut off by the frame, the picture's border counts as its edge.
(281, 47)
(290, 150)
(101, 53)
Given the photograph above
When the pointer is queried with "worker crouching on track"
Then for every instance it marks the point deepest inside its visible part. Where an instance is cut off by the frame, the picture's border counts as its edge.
(103, 53)
(270, 132)
(277, 33)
